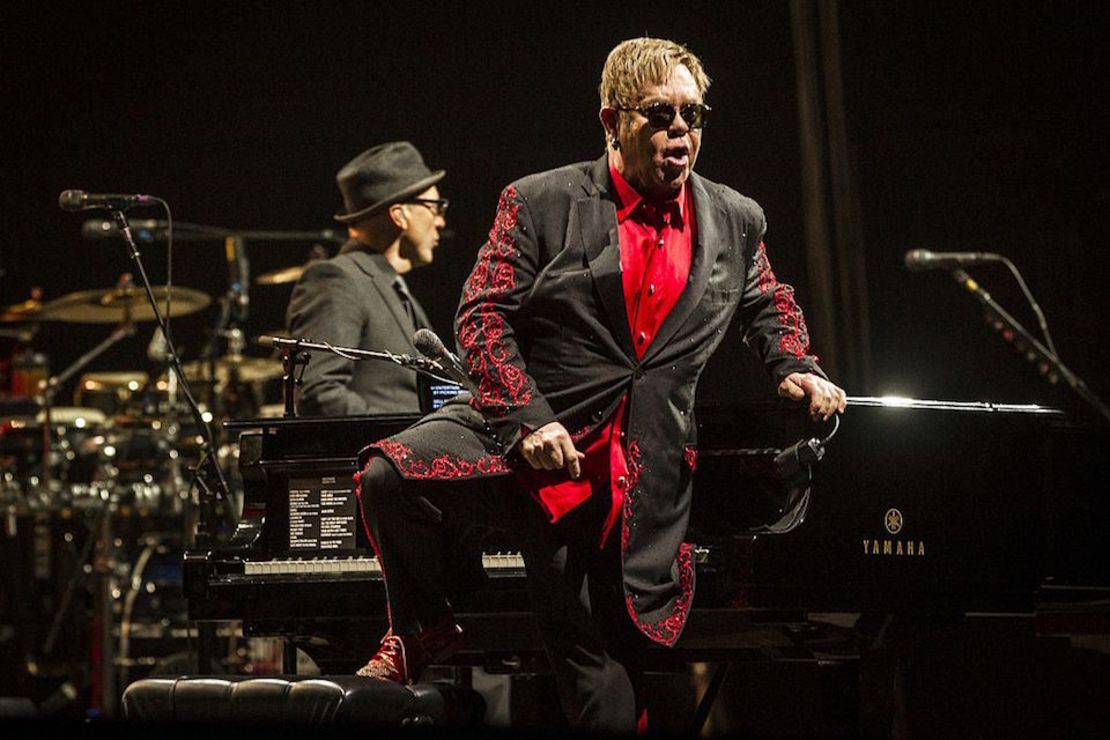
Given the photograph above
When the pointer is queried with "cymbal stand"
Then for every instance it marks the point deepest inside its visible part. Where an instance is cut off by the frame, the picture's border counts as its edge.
(208, 458)
(233, 313)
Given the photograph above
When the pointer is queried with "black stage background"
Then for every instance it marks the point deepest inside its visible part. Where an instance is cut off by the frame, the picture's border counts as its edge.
(981, 128)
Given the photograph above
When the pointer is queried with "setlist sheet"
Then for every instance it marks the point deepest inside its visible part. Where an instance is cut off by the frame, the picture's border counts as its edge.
(322, 513)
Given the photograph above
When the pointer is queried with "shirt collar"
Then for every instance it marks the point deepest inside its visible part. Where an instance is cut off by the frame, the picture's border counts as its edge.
(630, 199)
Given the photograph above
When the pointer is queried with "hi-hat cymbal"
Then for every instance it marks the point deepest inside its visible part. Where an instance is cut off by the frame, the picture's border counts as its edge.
(282, 276)
(249, 369)
(114, 305)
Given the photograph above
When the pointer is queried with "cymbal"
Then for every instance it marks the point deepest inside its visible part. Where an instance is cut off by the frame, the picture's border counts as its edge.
(113, 305)
(29, 310)
(119, 380)
(249, 369)
(282, 276)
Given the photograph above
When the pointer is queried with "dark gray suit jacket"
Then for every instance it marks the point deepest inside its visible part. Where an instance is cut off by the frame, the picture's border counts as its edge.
(350, 301)
(543, 325)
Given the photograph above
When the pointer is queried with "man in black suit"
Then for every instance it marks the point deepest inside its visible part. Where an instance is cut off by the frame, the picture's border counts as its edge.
(394, 215)
(592, 309)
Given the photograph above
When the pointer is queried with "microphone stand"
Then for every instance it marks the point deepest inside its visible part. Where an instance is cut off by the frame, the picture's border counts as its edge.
(293, 357)
(210, 496)
(1048, 363)
(293, 364)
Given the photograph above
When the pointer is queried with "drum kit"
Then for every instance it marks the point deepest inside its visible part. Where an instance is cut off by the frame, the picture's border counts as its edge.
(96, 489)
(127, 437)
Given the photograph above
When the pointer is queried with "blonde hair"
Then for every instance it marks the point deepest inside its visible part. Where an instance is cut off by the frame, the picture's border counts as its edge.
(636, 63)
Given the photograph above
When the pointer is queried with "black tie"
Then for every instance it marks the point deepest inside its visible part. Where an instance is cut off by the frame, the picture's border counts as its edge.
(406, 302)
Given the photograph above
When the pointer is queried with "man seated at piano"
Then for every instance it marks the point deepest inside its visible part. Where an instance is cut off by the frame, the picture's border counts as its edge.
(394, 215)
(601, 292)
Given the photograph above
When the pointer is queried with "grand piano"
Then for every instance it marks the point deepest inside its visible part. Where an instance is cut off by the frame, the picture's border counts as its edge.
(919, 515)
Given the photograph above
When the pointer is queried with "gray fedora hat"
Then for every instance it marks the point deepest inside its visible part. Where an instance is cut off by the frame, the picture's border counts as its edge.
(381, 176)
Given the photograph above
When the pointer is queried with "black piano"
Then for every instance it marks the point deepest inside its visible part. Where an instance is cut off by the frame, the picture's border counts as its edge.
(919, 516)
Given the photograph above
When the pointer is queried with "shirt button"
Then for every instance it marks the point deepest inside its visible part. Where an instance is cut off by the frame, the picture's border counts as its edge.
(660, 242)
(651, 289)
(620, 482)
(641, 338)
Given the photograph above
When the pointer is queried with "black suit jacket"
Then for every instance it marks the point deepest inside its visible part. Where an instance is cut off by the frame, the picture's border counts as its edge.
(350, 301)
(544, 331)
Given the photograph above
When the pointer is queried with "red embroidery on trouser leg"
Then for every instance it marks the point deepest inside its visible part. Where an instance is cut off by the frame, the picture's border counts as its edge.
(667, 630)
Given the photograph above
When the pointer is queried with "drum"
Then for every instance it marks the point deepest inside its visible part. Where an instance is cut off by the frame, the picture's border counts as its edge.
(150, 604)
(29, 370)
(144, 463)
(150, 445)
(75, 439)
(114, 393)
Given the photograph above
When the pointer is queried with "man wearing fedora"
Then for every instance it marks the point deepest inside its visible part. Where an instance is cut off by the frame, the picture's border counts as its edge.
(394, 215)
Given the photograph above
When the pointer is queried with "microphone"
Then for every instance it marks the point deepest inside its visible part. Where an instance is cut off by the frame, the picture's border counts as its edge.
(79, 200)
(923, 259)
(431, 346)
(144, 229)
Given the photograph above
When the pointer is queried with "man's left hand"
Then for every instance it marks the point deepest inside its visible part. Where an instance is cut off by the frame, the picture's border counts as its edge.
(825, 398)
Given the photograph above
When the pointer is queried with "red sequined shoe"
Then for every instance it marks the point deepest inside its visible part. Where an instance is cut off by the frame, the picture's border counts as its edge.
(402, 659)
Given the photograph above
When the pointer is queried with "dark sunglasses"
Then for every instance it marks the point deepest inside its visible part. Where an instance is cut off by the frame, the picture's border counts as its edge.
(661, 115)
(438, 206)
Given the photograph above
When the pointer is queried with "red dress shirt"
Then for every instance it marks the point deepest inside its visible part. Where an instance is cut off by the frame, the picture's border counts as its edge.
(656, 243)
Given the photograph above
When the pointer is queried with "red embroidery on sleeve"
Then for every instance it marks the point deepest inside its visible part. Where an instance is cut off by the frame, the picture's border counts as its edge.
(794, 336)
(502, 385)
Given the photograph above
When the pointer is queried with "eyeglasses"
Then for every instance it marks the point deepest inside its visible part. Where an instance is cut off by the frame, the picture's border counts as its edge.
(438, 206)
(660, 115)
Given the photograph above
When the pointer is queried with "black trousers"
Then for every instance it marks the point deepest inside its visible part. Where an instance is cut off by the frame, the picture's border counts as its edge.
(575, 587)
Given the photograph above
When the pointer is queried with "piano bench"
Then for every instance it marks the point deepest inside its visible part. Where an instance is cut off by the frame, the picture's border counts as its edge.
(290, 700)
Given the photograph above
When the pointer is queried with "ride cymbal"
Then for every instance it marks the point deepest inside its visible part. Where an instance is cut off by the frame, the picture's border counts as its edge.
(115, 305)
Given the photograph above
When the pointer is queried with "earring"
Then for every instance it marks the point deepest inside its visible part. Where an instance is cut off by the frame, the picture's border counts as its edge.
(615, 143)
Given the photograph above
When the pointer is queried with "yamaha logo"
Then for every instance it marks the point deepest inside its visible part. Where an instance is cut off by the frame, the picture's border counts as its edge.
(893, 521)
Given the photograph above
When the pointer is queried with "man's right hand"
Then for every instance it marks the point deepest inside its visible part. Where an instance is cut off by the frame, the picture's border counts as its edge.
(551, 448)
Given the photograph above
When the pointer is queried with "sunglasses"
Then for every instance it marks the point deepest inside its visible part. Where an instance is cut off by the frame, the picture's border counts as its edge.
(438, 206)
(661, 115)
